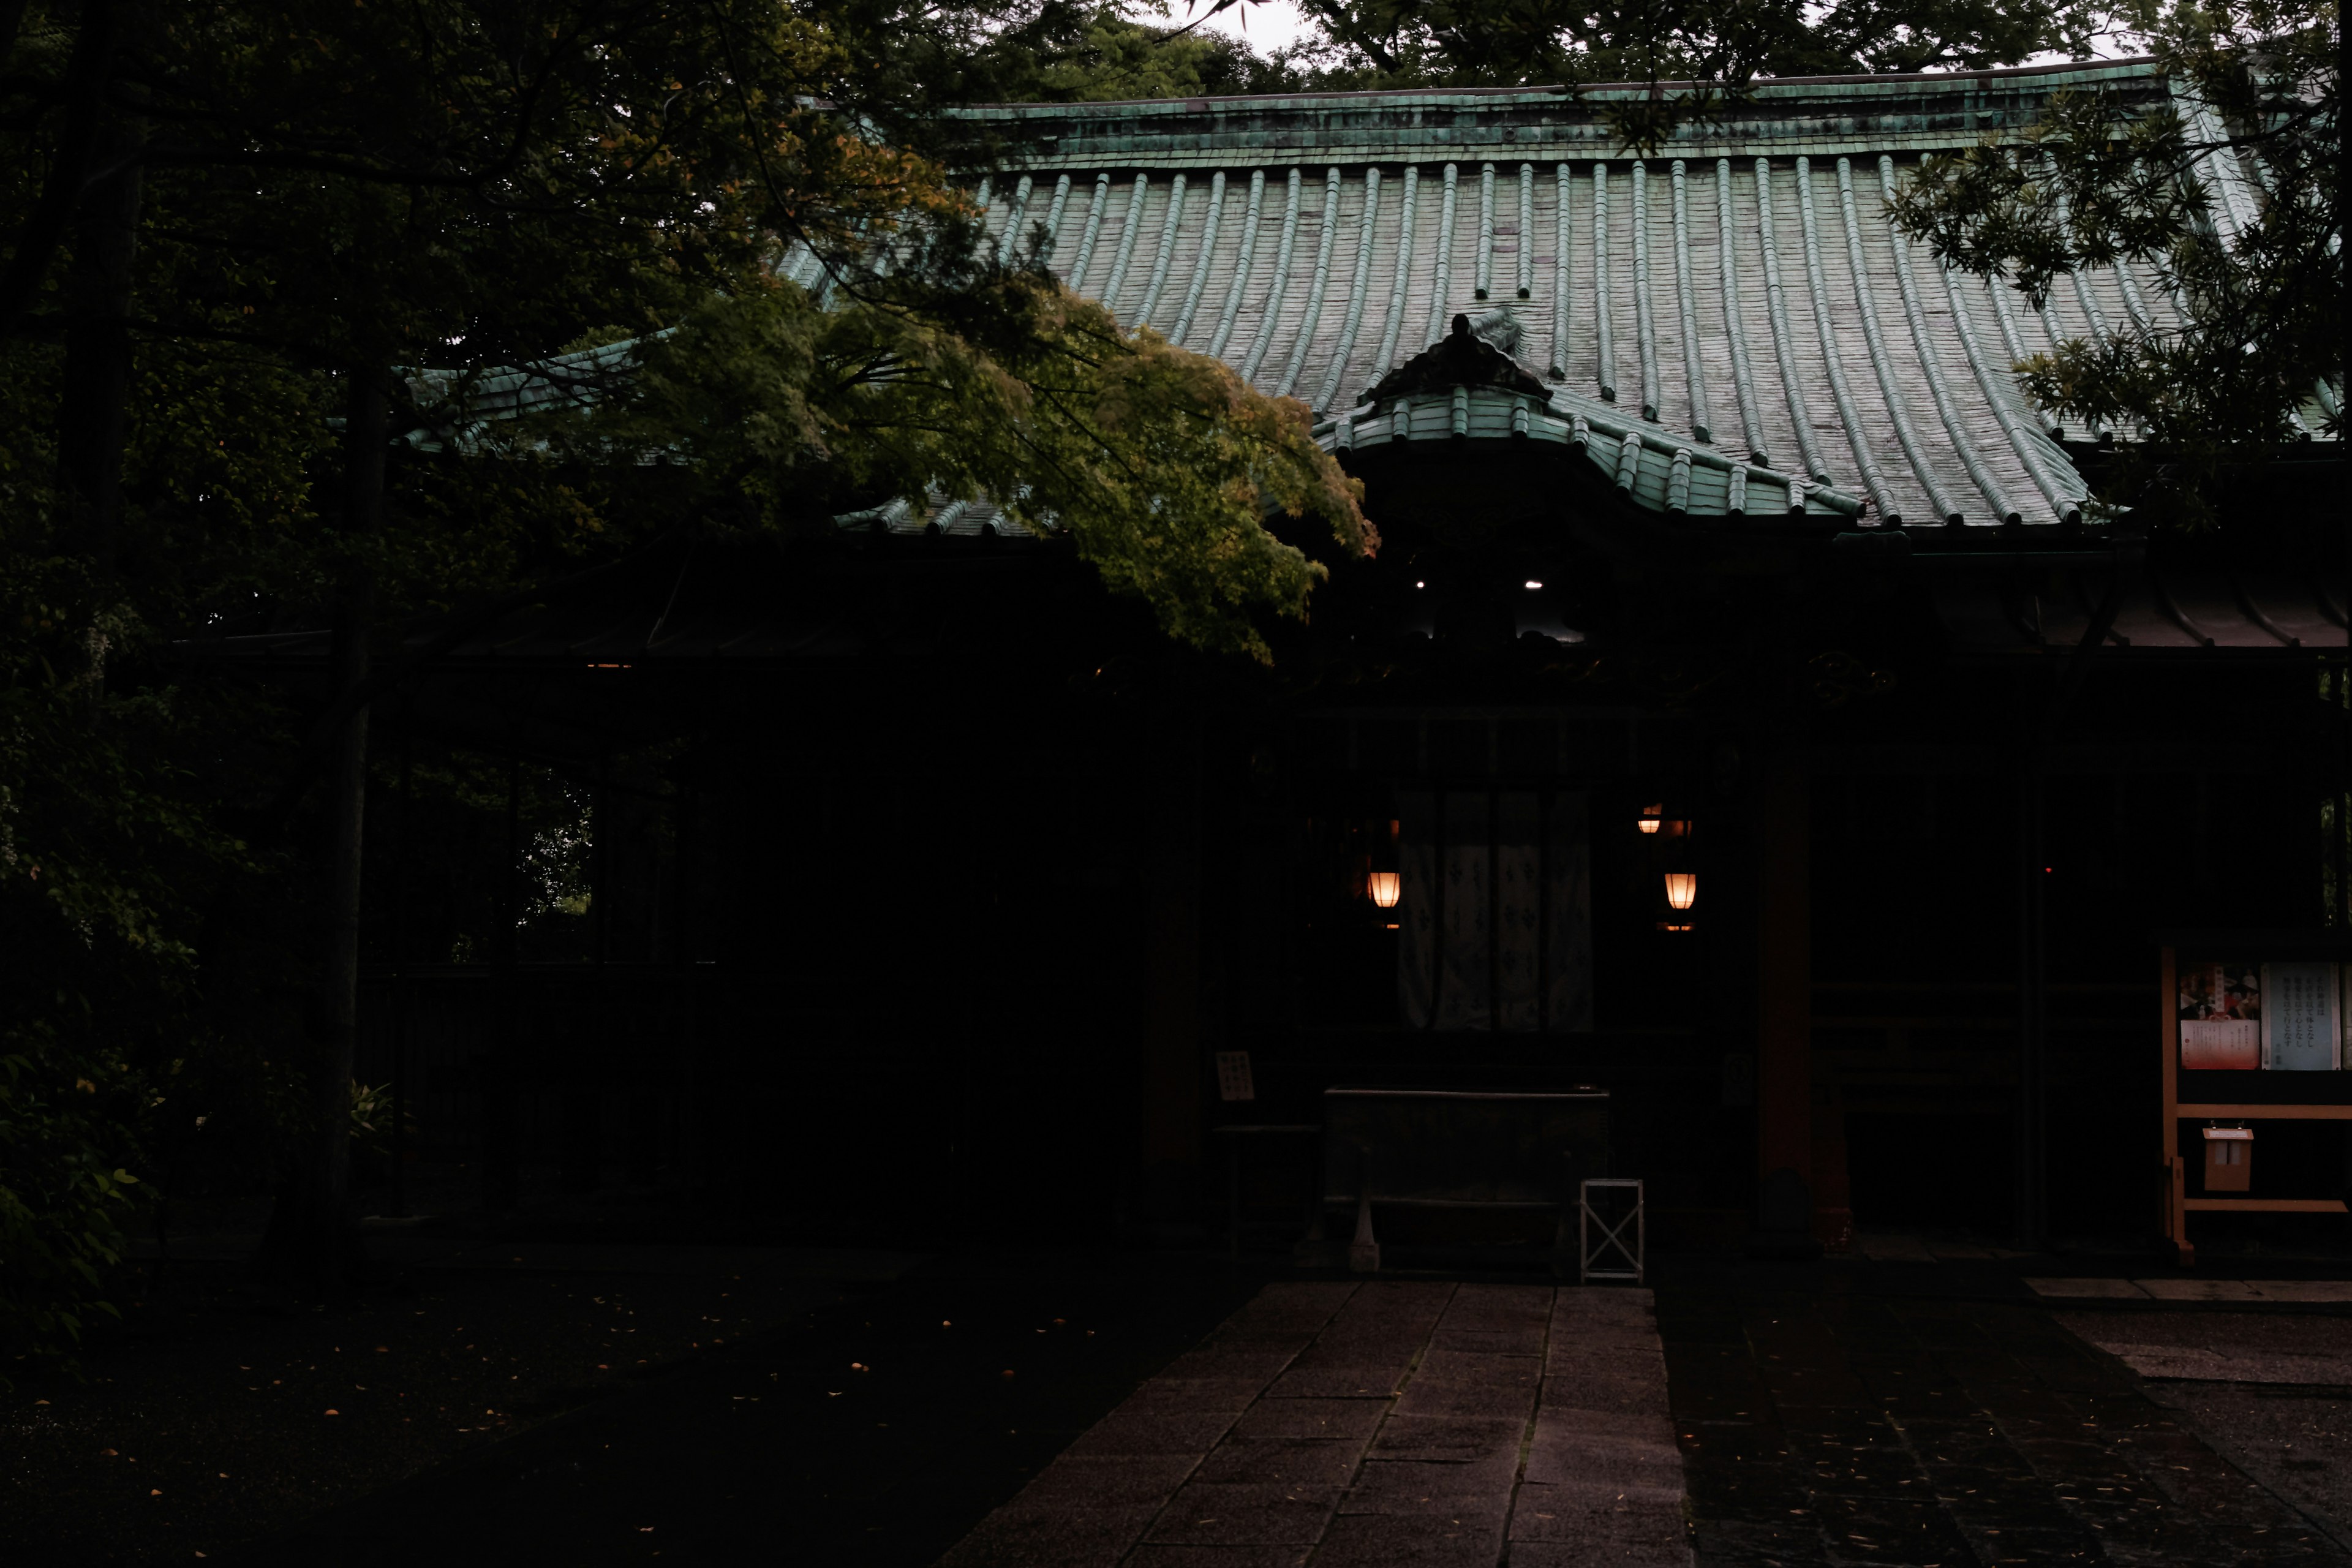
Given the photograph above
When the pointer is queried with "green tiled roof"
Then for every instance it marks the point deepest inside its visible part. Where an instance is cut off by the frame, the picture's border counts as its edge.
(1740, 295)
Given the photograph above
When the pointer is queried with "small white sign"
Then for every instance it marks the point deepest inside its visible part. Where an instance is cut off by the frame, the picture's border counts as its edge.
(2299, 1027)
(1234, 1076)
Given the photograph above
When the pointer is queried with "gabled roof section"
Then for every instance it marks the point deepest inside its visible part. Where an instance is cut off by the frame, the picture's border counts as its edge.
(1736, 305)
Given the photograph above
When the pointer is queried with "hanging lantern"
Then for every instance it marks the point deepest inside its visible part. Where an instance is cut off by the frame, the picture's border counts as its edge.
(1650, 819)
(1385, 887)
(1682, 888)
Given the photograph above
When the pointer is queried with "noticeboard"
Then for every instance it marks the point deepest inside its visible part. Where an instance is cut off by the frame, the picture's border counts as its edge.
(2238, 1014)
(2255, 1030)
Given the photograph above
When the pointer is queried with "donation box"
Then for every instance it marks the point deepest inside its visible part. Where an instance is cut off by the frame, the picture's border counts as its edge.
(2229, 1159)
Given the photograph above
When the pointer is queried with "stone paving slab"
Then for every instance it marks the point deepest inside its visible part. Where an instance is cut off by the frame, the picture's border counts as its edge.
(2312, 1350)
(2087, 1290)
(1386, 1425)
(2199, 1289)
(1892, 1248)
(2310, 1290)
(2307, 1291)
(2207, 1365)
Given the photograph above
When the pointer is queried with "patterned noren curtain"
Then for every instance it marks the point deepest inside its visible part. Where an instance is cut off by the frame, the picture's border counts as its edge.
(1496, 927)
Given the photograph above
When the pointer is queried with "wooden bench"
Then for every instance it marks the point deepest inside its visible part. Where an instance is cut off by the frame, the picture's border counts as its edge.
(1469, 1149)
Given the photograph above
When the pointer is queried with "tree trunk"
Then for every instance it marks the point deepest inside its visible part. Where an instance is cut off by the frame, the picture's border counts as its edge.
(501, 1071)
(97, 372)
(95, 387)
(88, 68)
(313, 1230)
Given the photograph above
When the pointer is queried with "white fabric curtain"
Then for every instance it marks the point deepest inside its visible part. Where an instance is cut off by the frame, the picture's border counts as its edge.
(1496, 917)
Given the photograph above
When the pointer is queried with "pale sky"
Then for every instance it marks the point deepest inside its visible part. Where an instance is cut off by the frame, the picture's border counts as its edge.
(1267, 25)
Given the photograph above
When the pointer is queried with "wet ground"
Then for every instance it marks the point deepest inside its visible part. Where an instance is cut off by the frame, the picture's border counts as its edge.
(227, 1410)
(869, 1410)
(1415, 1423)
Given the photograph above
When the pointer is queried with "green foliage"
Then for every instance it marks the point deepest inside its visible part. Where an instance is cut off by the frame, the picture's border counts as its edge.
(324, 189)
(913, 59)
(112, 856)
(372, 1120)
(1162, 467)
(1699, 56)
(2105, 177)
(332, 193)
(63, 1197)
(1116, 57)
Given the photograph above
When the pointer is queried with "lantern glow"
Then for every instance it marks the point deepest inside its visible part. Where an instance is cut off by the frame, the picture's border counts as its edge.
(1385, 887)
(1650, 819)
(1682, 888)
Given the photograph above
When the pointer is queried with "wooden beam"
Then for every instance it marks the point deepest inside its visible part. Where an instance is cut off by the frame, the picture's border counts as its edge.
(2261, 1112)
(1784, 1088)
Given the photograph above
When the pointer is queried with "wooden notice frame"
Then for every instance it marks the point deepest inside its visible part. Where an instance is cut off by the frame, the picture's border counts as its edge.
(2326, 1101)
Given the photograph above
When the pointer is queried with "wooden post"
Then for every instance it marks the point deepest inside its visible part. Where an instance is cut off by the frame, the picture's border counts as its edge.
(2168, 1037)
(1784, 1088)
(2032, 1035)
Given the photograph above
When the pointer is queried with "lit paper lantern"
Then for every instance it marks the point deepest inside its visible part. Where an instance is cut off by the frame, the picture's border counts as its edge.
(1650, 819)
(1682, 888)
(1385, 887)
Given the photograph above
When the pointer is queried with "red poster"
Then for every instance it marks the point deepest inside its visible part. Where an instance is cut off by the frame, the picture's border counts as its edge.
(2221, 1010)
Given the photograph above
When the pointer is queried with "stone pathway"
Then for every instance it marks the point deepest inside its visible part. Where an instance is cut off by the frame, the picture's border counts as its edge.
(1364, 1425)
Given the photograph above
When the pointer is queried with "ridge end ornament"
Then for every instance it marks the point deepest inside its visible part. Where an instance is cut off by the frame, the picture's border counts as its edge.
(1463, 357)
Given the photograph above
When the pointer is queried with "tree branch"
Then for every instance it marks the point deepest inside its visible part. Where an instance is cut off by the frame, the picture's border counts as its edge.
(44, 229)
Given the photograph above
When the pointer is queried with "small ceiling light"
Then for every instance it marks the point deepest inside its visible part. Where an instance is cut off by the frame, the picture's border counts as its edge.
(1533, 583)
(1385, 887)
(1651, 817)
(1682, 888)
(1420, 584)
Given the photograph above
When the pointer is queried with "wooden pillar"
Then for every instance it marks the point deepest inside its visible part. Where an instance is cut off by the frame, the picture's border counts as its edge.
(2032, 1032)
(1784, 1072)
(702, 1122)
(1170, 1132)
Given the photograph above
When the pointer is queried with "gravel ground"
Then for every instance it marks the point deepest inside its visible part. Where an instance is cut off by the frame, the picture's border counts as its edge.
(219, 1412)
(2296, 1444)
(2295, 1440)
